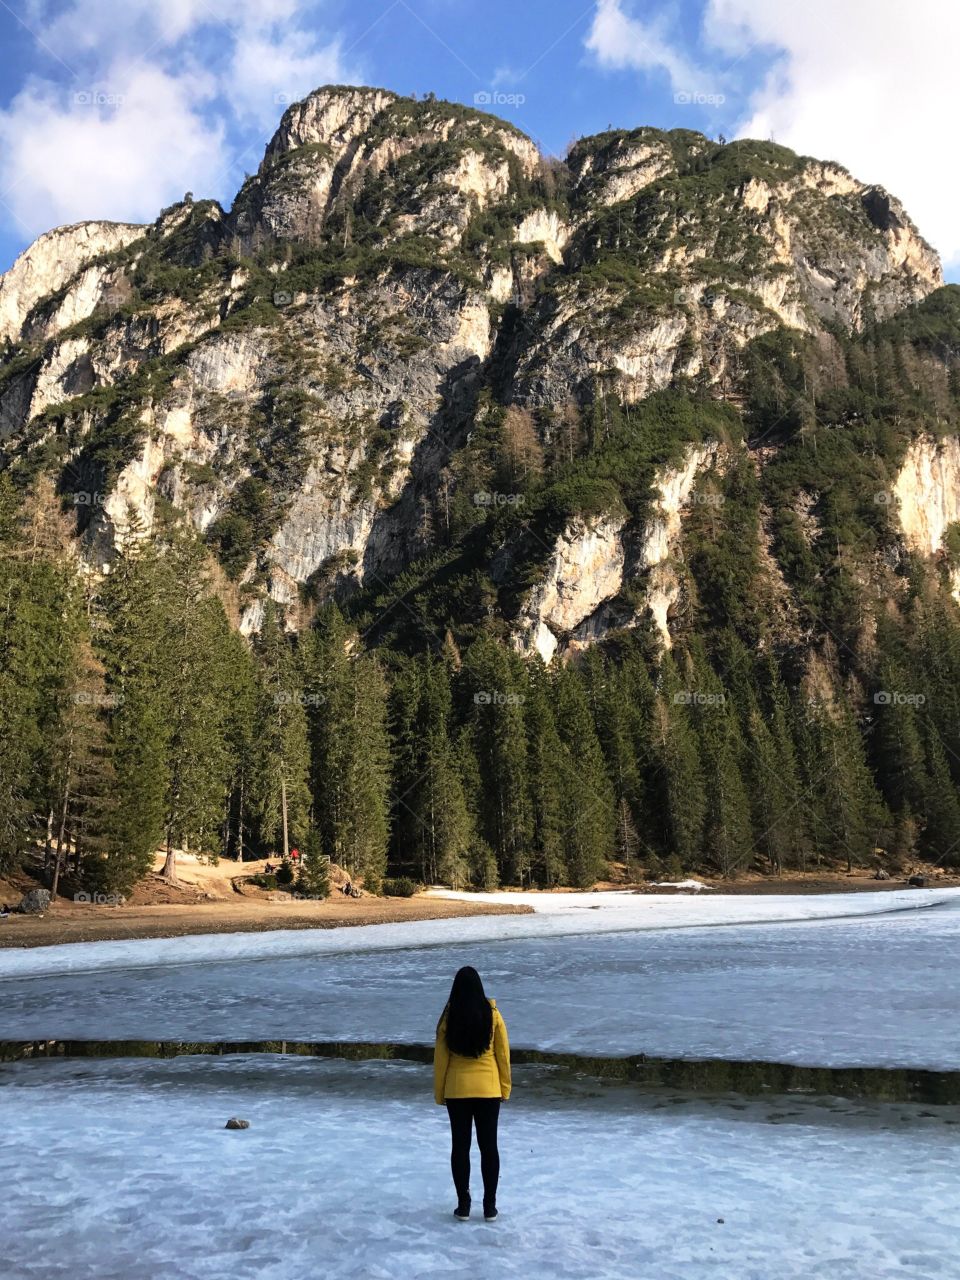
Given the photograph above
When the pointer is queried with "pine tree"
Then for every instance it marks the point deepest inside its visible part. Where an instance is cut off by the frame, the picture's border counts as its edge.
(192, 685)
(241, 711)
(772, 803)
(315, 867)
(443, 831)
(941, 836)
(896, 742)
(86, 782)
(481, 859)
(346, 696)
(792, 834)
(17, 725)
(846, 813)
(679, 772)
(280, 791)
(548, 867)
(587, 808)
(130, 638)
(39, 630)
(493, 688)
(620, 699)
(727, 836)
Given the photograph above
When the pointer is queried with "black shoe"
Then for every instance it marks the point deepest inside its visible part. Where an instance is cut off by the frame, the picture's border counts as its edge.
(489, 1212)
(463, 1209)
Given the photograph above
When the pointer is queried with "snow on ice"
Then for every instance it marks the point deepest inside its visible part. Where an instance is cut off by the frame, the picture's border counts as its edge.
(869, 988)
(124, 1169)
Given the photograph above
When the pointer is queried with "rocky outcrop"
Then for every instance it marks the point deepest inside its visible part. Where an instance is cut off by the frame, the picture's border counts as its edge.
(619, 168)
(335, 117)
(575, 603)
(660, 541)
(50, 264)
(584, 569)
(927, 497)
(394, 270)
(546, 228)
(927, 493)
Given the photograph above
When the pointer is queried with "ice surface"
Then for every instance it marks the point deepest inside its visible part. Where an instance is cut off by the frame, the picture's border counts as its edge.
(113, 1171)
(556, 915)
(868, 990)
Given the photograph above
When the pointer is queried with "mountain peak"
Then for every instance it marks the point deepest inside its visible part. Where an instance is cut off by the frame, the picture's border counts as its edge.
(331, 116)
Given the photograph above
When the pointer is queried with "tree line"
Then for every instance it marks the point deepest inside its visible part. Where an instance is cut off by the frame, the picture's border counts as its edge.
(134, 717)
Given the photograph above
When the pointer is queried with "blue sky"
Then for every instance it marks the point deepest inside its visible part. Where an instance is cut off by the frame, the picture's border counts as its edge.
(114, 108)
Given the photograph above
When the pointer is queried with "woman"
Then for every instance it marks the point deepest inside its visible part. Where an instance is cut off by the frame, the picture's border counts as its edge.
(471, 1074)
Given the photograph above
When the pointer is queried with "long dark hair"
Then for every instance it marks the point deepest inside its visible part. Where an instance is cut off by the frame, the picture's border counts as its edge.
(469, 1015)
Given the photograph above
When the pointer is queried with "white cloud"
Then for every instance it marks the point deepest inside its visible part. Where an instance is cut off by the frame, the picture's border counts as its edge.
(119, 149)
(268, 73)
(142, 26)
(868, 83)
(621, 42)
(151, 100)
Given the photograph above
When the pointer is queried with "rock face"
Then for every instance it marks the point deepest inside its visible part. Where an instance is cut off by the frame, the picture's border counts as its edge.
(660, 543)
(584, 569)
(575, 602)
(300, 378)
(927, 492)
(927, 495)
(59, 258)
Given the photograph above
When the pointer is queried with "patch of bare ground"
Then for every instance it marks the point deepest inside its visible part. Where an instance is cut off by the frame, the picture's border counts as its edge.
(214, 898)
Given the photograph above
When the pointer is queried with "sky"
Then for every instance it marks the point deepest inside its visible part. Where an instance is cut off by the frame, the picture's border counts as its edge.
(114, 108)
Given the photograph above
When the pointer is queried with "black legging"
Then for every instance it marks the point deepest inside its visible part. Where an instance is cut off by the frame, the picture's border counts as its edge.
(464, 1114)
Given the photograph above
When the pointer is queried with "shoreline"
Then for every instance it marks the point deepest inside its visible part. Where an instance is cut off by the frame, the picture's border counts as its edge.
(70, 922)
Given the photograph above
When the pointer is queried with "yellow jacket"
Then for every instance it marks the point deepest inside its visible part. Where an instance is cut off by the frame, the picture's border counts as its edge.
(488, 1076)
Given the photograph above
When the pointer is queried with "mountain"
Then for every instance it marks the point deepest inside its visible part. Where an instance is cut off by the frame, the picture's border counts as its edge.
(690, 400)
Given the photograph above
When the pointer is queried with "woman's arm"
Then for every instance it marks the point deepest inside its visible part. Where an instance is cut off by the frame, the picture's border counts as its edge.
(501, 1051)
(441, 1057)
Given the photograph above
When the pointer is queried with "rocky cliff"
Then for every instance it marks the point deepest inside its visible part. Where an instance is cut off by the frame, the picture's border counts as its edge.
(413, 340)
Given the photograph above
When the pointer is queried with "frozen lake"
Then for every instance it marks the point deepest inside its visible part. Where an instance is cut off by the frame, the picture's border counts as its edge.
(865, 989)
(119, 1169)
